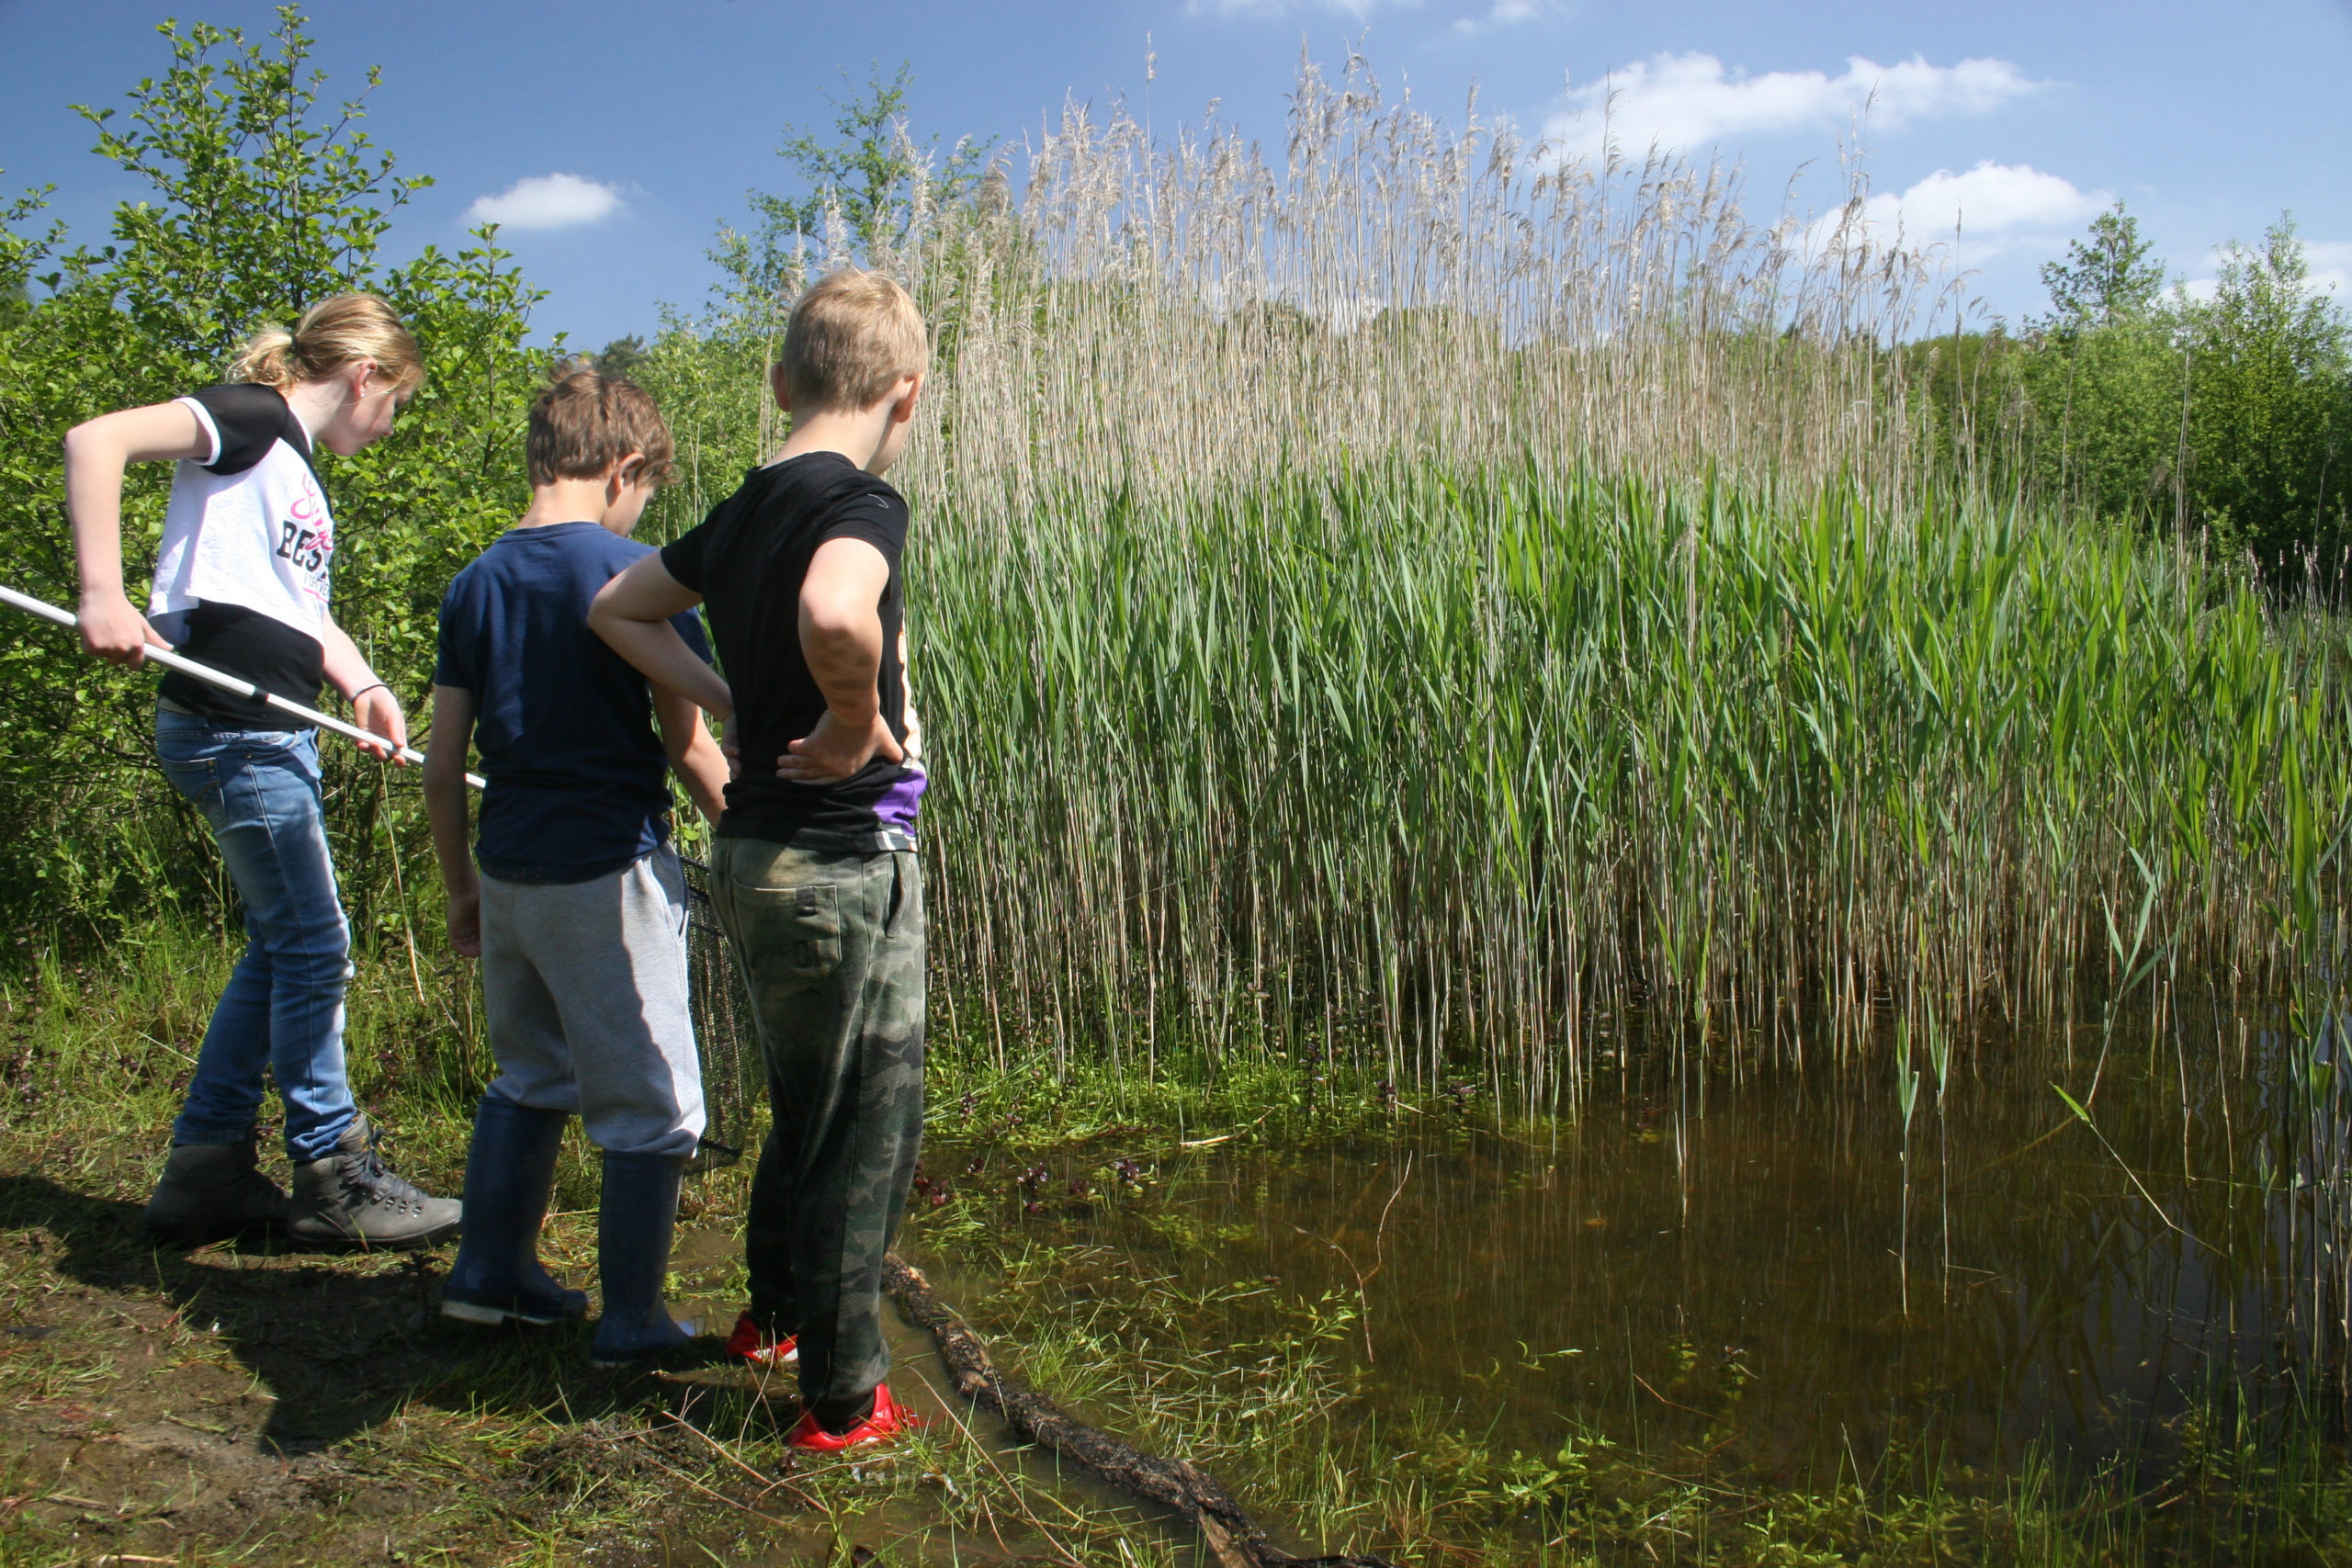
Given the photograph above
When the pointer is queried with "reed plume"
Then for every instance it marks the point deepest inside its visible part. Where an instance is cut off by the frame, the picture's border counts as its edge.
(1432, 594)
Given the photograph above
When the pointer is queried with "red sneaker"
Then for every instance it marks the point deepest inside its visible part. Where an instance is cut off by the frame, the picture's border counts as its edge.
(752, 1343)
(887, 1421)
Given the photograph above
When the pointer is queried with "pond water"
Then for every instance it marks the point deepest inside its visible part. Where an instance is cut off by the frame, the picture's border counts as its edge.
(1750, 1266)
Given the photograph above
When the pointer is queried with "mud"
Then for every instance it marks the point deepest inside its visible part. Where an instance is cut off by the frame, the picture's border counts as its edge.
(244, 1404)
(278, 1407)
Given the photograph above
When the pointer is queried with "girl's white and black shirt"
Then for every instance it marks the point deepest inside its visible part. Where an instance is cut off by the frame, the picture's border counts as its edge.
(242, 584)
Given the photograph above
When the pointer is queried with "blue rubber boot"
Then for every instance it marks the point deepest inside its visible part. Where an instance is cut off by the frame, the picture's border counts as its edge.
(510, 1175)
(640, 1207)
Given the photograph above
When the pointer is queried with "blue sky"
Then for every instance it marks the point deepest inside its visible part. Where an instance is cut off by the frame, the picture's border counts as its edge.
(2207, 119)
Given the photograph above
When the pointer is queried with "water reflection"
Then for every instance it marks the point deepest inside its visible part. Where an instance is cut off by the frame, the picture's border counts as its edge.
(1758, 1272)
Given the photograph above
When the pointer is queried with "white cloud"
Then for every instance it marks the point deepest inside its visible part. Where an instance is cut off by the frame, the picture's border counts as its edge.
(1677, 101)
(1984, 209)
(1511, 13)
(2331, 264)
(546, 201)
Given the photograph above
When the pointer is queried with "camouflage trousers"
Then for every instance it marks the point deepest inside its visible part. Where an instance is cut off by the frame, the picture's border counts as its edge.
(832, 946)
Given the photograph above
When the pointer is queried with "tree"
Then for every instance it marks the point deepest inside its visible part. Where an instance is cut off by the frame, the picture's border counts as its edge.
(261, 208)
(622, 355)
(2270, 412)
(2105, 280)
(872, 177)
(253, 210)
(22, 253)
(2103, 379)
(871, 190)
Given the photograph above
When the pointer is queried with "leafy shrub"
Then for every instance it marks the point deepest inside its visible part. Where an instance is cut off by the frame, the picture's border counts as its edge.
(260, 205)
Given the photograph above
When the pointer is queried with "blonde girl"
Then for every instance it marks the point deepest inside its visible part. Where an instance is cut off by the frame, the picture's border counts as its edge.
(242, 584)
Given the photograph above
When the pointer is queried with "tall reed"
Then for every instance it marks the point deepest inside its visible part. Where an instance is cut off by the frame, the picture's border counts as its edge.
(1462, 764)
(1144, 318)
(1426, 591)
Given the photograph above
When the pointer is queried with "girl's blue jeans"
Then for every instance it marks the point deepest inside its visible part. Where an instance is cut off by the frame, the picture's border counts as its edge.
(283, 1009)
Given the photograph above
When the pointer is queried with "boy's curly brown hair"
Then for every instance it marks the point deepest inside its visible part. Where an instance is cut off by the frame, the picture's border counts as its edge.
(585, 421)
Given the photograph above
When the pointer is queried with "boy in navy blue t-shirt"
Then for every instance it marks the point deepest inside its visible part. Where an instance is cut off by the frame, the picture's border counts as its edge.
(579, 910)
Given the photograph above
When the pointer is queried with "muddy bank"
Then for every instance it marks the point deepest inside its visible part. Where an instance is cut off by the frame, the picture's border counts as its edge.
(276, 1407)
(242, 1404)
(1716, 1321)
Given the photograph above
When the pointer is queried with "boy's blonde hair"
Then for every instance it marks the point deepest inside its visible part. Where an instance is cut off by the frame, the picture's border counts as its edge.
(851, 338)
(336, 331)
(586, 421)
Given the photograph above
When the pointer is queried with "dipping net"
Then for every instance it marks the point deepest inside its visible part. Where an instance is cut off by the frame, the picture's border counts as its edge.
(734, 1080)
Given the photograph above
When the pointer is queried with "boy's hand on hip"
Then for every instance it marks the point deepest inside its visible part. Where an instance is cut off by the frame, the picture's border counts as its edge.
(378, 712)
(833, 751)
(465, 923)
(115, 632)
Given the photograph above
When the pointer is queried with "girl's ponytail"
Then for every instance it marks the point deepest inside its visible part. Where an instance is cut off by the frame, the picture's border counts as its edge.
(267, 360)
(332, 333)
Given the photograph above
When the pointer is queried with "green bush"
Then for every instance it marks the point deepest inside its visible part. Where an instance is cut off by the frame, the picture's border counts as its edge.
(2270, 409)
(259, 206)
(2226, 419)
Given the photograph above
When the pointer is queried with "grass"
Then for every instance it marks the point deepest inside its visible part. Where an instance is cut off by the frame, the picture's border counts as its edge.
(247, 1406)
(234, 1406)
(1597, 637)
(1396, 619)
(1415, 595)
(1151, 315)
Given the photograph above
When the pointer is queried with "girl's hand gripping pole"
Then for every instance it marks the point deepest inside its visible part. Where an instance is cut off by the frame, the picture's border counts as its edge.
(227, 682)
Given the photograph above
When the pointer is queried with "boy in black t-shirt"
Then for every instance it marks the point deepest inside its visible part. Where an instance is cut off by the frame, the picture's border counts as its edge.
(815, 875)
(579, 911)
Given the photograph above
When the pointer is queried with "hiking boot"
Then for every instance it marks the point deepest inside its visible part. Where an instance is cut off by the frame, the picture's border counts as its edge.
(510, 1175)
(634, 1221)
(886, 1422)
(212, 1191)
(755, 1345)
(352, 1199)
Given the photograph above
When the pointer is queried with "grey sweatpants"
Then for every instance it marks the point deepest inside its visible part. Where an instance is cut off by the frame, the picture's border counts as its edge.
(586, 984)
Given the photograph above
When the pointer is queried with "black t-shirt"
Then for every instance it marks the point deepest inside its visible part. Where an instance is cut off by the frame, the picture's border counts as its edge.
(747, 561)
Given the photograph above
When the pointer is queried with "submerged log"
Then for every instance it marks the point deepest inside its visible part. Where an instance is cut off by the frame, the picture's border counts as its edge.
(1232, 1540)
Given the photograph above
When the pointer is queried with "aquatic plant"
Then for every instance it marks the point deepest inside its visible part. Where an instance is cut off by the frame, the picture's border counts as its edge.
(1446, 768)
(1145, 320)
(1415, 593)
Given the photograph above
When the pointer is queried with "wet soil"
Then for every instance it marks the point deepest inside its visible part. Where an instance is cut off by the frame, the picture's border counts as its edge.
(262, 1404)
(240, 1403)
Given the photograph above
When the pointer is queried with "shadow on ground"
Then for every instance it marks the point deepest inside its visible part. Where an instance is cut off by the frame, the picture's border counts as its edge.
(283, 1406)
(339, 1342)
